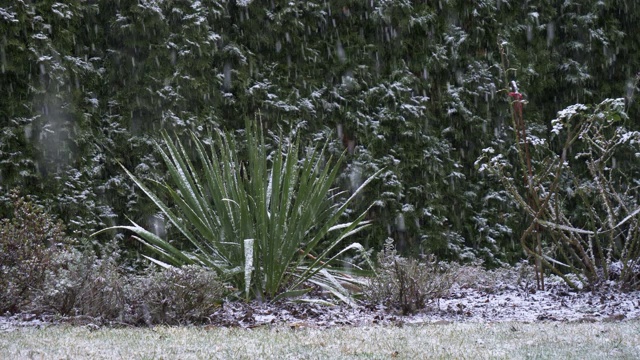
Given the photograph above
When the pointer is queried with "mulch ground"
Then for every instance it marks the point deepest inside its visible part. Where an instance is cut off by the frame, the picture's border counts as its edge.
(500, 304)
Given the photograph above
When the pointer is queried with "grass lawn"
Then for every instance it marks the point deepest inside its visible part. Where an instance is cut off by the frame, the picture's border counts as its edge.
(553, 340)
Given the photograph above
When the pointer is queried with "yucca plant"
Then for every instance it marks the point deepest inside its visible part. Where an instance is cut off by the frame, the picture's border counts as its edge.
(257, 223)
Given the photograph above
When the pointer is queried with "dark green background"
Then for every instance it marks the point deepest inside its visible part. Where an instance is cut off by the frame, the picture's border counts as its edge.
(418, 85)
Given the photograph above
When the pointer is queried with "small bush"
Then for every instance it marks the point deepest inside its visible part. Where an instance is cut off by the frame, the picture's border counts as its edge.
(408, 284)
(40, 272)
(475, 276)
(27, 243)
(81, 283)
(174, 296)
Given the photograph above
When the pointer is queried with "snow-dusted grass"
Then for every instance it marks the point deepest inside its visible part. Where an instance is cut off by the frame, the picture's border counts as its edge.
(457, 340)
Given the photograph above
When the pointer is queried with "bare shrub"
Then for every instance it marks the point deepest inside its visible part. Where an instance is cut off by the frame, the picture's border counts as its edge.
(174, 296)
(408, 284)
(581, 205)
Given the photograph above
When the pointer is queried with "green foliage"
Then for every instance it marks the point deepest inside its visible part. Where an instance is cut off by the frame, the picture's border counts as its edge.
(256, 222)
(28, 241)
(414, 86)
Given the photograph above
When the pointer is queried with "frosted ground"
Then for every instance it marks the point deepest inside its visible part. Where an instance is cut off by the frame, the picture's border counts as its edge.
(505, 301)
(507, 323)
(540, 340)
(508, 319)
